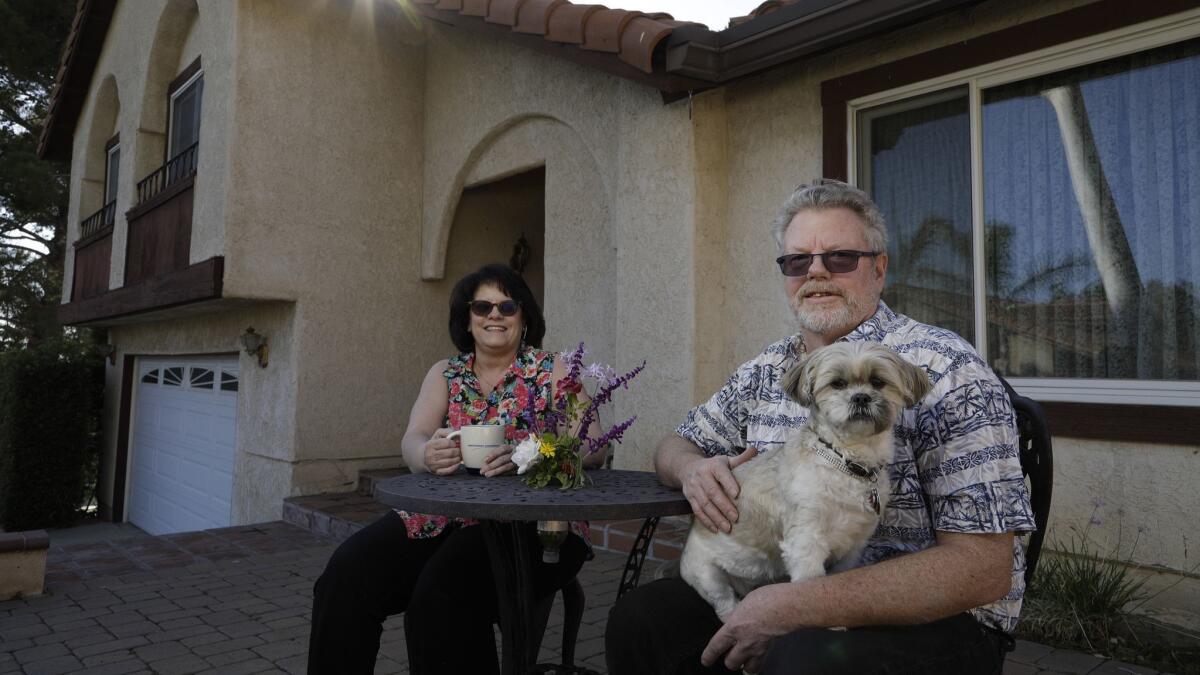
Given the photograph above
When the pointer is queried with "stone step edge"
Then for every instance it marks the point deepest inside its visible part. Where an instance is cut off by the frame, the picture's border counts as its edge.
(615, 536)
(369, 477)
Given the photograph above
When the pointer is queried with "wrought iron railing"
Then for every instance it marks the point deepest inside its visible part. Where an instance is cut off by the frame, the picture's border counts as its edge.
(97, 221)
(178, 167)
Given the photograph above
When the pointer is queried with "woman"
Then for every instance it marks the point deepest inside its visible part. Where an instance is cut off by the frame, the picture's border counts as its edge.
(436, 569)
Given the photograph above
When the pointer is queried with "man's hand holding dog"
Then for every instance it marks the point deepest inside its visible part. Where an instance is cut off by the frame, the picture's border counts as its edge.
(748, 631)
(710, 488)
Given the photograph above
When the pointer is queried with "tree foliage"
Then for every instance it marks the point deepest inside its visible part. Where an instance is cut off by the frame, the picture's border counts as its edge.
(33, 192)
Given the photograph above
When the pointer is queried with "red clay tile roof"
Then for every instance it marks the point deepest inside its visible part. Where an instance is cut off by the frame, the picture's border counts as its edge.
(74, 77)
(632, 36)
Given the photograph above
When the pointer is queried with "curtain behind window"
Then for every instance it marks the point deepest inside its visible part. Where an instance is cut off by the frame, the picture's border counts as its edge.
(1092, 213)
(915, 162)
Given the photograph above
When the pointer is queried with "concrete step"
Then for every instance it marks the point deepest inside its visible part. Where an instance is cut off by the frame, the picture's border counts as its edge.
(368, 479)
(337, 514)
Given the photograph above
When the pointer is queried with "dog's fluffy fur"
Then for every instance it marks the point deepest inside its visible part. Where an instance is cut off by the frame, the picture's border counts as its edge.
(798, 513)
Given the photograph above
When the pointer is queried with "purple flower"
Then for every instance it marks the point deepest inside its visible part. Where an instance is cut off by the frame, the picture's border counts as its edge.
(603, 396)
(613, 435)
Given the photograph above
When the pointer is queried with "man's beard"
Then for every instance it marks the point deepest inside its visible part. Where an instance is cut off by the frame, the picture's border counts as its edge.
(842, 319)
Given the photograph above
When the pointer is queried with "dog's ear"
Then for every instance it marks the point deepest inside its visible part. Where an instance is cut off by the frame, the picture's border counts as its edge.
(798, 382)
(914, 383)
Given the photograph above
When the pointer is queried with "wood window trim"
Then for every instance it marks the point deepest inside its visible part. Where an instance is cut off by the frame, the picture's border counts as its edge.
(1098, 421)
(181, 79)
(177, 84)
(108, 148)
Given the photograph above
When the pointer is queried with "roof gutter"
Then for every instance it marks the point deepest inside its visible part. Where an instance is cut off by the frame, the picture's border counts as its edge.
(792, 32)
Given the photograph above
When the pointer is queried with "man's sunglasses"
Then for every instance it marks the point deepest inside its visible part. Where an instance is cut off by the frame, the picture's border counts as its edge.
(837, 262)
(484, 308)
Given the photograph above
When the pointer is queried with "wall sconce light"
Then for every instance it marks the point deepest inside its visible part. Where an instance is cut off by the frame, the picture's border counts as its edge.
(108, 351)
(255, 345)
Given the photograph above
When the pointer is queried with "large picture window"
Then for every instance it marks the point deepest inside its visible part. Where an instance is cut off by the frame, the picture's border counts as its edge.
(1049, 211)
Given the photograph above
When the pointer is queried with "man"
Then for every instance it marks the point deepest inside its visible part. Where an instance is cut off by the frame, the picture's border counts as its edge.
(941, 580)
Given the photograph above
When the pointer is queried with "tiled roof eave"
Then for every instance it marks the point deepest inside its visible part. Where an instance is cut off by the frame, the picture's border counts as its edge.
(76, 68)
(670, 85)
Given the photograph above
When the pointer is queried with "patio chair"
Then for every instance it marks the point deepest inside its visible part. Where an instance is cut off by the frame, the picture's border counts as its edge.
(1037, 465)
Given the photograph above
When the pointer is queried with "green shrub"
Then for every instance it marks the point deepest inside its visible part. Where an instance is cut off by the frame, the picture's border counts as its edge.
(48, 418)
(1084, 598)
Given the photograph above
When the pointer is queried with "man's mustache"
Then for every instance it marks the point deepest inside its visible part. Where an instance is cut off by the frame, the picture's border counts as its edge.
(818, 287)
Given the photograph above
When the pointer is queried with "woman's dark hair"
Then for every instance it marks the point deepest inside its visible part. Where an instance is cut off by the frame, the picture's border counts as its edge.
(512, 285)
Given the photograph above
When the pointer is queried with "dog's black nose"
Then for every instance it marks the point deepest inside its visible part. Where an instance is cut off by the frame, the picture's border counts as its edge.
(863, 400)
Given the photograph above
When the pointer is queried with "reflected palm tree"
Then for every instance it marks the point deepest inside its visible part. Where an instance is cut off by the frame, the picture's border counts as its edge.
(1105, 233)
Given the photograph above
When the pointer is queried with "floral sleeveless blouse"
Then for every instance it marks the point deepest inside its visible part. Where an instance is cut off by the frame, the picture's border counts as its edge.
(532, 372)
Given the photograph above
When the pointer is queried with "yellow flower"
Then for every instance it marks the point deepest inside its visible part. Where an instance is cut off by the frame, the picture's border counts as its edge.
(546, 449)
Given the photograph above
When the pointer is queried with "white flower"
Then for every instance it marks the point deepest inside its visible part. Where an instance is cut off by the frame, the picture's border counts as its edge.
(526, 454)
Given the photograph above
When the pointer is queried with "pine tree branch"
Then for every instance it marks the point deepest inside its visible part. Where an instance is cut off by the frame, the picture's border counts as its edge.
(34, 235)
(34, 251)
(14, 118)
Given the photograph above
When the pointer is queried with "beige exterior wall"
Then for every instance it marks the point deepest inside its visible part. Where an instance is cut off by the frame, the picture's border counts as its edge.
(619, 205)
(323, 206)
(775, 142)
(691, 201)
(141, 34)
(341, 196)
(316, 214)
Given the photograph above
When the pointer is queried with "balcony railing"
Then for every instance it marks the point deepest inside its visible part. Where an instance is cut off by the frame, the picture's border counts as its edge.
(178, 167)
(95, 223)
(93, 253)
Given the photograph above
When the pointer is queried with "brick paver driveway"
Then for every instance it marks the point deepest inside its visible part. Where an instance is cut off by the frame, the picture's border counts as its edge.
(238, 600)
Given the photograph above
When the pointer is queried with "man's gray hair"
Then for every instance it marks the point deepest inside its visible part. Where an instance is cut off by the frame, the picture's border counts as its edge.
(827, 193)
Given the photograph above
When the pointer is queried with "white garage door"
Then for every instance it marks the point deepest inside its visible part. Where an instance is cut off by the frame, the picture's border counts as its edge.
(182, 450)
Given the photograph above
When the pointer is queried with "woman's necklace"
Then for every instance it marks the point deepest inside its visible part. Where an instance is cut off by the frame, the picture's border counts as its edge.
(489, 383)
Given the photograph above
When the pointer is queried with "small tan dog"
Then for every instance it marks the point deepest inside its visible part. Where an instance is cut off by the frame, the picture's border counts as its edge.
(815, 501)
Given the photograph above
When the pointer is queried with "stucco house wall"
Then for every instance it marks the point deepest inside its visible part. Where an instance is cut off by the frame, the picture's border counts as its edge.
(124, 69)
(323, 203)
(692, 197)
(336, 143)
(1146, 490)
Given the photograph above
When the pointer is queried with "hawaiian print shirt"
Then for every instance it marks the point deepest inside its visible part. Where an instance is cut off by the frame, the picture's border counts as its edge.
(956, 466)
(531, 371)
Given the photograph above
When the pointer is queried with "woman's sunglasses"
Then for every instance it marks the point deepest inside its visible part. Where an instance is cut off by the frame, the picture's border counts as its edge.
(837, 262)
(484, 308)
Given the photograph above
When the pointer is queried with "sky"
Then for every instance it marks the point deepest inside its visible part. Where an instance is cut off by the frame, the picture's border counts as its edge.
(712, 13)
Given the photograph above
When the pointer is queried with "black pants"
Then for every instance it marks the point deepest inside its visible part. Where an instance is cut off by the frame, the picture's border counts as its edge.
(443, 584)
(663, 627)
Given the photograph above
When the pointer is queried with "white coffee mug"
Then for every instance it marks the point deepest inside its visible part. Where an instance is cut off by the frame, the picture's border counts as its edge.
(477, 442)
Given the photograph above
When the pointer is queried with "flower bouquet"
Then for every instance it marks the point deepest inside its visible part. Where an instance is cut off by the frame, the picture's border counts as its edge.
(559, 436)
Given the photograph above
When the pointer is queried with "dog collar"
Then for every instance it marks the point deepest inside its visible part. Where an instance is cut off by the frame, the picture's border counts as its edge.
(847, 466)
(827, 452)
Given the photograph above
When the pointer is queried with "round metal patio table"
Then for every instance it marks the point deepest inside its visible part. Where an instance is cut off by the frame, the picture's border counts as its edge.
(503, 504)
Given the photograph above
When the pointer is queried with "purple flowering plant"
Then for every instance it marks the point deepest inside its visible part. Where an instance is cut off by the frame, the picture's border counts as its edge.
(559, 436)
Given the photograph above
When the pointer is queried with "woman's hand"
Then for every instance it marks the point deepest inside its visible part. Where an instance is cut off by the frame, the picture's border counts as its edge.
(442, 455)
(499, 462)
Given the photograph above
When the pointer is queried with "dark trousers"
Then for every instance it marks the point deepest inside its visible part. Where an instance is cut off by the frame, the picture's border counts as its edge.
(663, 627)
(444, 585)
